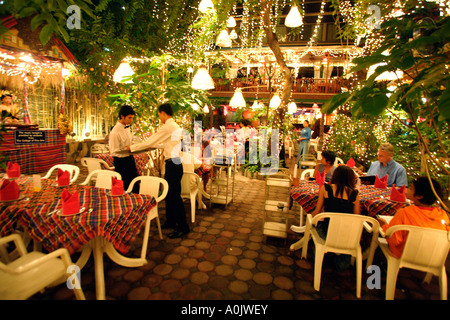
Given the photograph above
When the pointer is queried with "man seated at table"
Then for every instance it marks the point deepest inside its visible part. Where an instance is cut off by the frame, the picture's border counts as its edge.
(326, 163)
(387, 166)
(424, 213)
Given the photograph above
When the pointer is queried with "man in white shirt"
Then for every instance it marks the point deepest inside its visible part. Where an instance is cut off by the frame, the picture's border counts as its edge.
(119, 138)
(168, 135)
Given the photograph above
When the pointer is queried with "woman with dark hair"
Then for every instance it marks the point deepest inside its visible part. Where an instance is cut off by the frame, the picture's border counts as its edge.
(340, 196)
(326, 164)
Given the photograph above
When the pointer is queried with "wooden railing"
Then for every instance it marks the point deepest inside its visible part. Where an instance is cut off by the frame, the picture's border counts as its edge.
(303, 85)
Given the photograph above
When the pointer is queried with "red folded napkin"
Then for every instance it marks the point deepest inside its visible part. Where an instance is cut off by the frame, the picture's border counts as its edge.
(70, 202)
(381, 183)
(117, 187)
(351, 162)
(13, 170)
(63, 177)
(9, 190)
(398, 194)
(320, 178)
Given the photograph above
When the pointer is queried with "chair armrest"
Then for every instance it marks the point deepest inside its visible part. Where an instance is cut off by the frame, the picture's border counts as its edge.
(18, 242)
(62, 252)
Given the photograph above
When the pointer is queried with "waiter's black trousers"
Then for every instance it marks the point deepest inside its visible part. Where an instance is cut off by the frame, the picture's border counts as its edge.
(127, 169)
(175, 212)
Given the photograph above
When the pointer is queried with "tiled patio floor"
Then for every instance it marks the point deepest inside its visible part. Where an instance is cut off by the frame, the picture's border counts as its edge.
(227, 257)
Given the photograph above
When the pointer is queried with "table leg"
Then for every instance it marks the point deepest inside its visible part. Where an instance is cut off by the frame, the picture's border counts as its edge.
(99, 271)
(122, 260)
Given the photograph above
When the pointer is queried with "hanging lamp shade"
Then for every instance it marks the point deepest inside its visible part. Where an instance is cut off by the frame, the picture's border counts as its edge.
(202, 80)
(292, 107)
(233, 35)
(385, 76)
(275, 102)
(206, 109)
(294, 18)
(223, 39)
(255, 105)
(231, 23)
(205, 5)
(238, 101)
(124, 70)
(195, 106)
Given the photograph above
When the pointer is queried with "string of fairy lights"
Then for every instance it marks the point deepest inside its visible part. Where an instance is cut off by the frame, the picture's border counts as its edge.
(14, 64)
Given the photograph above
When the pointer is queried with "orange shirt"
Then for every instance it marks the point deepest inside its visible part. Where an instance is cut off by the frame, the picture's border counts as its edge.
(427, 217)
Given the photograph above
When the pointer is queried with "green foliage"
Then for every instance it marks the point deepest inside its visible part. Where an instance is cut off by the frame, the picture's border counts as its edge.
(149, 89)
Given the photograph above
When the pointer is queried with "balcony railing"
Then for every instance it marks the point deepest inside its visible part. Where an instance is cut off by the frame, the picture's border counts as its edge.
(303, 85)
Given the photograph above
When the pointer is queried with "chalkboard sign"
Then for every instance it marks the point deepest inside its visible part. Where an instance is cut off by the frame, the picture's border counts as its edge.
(29, 136)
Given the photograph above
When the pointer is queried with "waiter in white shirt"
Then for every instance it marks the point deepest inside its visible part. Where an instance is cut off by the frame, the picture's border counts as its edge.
(119, 138)
(167, 135)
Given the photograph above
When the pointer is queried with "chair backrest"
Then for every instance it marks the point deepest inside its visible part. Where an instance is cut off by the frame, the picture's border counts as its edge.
(338, 160)
(93, 164)
(424, 247)
(98, 148)
(189, 183)
(103, 178)
(345, 229)
(151, 185)
(74, 171)
(306, 173)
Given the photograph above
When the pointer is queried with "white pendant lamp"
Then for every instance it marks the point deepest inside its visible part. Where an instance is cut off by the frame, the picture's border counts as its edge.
(385, 76)
(205, 5)
(255, 105)
(202, 80)
(206, 109)
(292, 107)
(195, 106)
(233, 35)
(275, 102)
(124, 70)
(238, 101)
(294, 18)
(223, 39)
(231, 23)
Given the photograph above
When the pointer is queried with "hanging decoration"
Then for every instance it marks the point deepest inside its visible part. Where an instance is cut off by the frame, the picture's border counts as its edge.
(202, 80)
(294, 18)
(292, 107)
(238, 101)
(223, 39)
(205, 5)
(275, 102)
(123, 71)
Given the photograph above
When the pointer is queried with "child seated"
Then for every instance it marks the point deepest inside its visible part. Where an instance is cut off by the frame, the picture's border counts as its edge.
(424, 213)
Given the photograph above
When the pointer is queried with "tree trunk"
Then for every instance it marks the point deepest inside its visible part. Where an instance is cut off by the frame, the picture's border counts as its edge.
(272, 40)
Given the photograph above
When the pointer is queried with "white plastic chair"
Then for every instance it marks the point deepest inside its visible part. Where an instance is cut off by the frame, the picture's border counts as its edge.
(343, 237)
(99, 148)
(73, 170)
(33, 271)
(314, 143)
(307, 160)
(102, 178)
(290, 147)
(307, 172)
(190, 185)
(426, 249)
(95, 164)
(151, 186)
(337, 161)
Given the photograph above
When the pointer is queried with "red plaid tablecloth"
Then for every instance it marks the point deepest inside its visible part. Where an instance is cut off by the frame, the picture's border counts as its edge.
(373, 200)
(141, 160)
(35, 158)
(118, 219)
